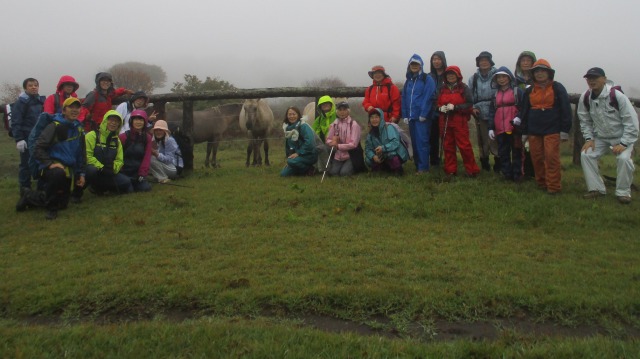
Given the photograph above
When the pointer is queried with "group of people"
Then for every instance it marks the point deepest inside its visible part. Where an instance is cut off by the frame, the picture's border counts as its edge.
(510, 109)
(67, 145)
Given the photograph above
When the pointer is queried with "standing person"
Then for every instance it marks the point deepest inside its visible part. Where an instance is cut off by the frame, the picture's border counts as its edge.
(67, 87)
(136, 148)
(504, 123)
(383, 93)
(24, 116)
(480, 84)
(299, 144)
(327, 114)
(523, 74)
(383, 148)
(59, 151)
(105, 157)
(546, 120)
(166, 159)
(344, 136)
(438, 65)
(608, 121)
(99, 101)
(455, 106)
(138, 101)
(417, 96)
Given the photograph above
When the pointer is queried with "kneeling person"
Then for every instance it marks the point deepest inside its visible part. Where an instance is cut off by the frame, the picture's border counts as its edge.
(383, 149)
(136, 144)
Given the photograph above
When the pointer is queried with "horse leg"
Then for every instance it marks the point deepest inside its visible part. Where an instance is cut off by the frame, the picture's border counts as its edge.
(209, 148)
(266, 153)
(257, 154)
(249, 149)
(214, 151)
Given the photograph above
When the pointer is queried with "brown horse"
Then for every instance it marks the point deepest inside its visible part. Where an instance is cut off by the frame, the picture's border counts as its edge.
(209, 126)
(256, 118)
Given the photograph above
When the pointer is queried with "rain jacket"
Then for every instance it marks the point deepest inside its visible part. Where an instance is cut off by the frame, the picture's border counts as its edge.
(300, 139)
(459, 95)
(520, 81)
(24, 115)
(168, 151)
(322, 122)
(605, 122)
(437, 79)
(388, 137)
(62, 141)
(348, 130)
(107, 149)
(384, 95)
(505, 105)
(482, 92)
(97, 103)
(417, 93)
(127, 107)
(50, 103)
(136, 151)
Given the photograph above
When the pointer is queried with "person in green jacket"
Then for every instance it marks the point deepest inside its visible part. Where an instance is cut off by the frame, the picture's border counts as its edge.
(327, 111)
(105, 157)
(384, 150)
(300, 147)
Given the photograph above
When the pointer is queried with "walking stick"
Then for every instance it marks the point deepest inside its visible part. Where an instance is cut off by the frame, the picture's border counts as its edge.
(327, 165)
(444, 133)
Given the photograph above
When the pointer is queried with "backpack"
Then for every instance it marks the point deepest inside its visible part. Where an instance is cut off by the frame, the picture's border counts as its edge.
(43, 121)
(405, 139)
(185, 147)
(319, 144)
(7, 118)
(613, 100)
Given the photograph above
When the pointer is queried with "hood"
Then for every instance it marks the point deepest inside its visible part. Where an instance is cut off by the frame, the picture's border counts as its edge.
(67, 79)
(382, 121)
(440, 54)
(415, 57)
(103, 125)
(137, 95)
(544, 64)
(455, 69)
(522, 54)
(503, 70)
(101, 75)
(325, 99)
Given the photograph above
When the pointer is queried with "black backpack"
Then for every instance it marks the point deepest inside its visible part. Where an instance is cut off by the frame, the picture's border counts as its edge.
(185, 146)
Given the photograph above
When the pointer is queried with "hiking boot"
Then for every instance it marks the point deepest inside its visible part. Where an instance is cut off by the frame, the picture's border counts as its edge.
(624, 199)
(165, 180)
(51, 214)
(23, 201)
(484, 163)
(593, 195)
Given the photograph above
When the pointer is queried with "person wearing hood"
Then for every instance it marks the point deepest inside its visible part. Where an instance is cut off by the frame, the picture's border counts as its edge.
(105, 157)
(344, 136)
(383, 148)
(299, 144)
(67, 87)
(59, 152)
(483, 93)
(24, 115)
(383, 93)
(138, 101)
(523, 74)
(136, 147)
(438, 64)
(99, 101)
(417, 97)
(455, 106)
(546, 121)
(504, 123)
(609, 123)
(166, 159)
(327, 114)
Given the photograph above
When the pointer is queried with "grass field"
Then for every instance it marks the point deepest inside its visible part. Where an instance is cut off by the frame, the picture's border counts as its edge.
(243, 263)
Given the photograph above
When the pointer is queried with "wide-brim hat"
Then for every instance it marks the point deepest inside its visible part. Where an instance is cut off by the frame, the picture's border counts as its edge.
(485, 54)
(162, 125)
(378, 68)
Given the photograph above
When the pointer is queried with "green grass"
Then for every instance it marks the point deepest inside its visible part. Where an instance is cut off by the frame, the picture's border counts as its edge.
(248, 254)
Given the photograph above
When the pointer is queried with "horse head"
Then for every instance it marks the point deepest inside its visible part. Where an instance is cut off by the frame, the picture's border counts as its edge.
(250, 108)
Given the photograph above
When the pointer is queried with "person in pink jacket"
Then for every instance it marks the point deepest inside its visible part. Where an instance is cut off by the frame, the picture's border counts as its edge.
(344, 136)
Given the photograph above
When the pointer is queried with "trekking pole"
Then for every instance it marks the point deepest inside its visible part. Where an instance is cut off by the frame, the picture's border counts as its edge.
(171, 184)
(444, 133)
(327, 165)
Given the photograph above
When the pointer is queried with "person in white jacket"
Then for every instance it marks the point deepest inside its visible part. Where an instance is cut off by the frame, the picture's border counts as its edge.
(609, 123)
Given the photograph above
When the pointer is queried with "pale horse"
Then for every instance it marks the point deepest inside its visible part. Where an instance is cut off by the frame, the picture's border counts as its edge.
(256, 118)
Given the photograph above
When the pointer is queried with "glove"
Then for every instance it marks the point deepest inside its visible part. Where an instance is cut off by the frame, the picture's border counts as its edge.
(21, 146)
(443, 109)
(422, 119)
(406, 121)
(107, 171)
(516, 121)
(492, 135)
(564, 136)
(450, 107)
(140, 179)
(525, 138)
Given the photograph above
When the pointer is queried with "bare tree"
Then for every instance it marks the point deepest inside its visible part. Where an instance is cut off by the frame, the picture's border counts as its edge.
(132, 79)
(9, 92)
(155, 76)
(325, 82)
(194, 84)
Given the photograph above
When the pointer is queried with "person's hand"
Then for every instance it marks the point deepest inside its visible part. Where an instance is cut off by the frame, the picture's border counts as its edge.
(564, 137)
(153, 116)
(377, 159)
(516, 121)
(128, 92)
(80, 181)
(524, 138)
(450, 107)
(394, 120)
(443, 109)
(292, 156)
(618, 149)
(590, 144)
(475, 112)
(492, 135)
(154, 153)
(369, 108)
(56, 165)
(406, 121)
(378, 150)
(21, 146)
(422, 119)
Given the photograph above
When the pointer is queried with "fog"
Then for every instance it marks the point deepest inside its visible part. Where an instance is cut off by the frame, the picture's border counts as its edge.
(285, 43)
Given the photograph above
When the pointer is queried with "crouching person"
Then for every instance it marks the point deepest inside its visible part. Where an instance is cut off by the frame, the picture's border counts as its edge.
(300, 145)
(166, 159)
(105, 157)
(136, 145)
(383, 149)
(59, 152)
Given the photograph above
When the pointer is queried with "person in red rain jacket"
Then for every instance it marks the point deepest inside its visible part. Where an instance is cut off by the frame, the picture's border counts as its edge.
(455, 105)
(67, 87)
(99, 101)
(383, 94)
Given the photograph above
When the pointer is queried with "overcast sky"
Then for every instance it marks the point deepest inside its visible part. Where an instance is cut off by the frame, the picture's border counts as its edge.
(286, 42)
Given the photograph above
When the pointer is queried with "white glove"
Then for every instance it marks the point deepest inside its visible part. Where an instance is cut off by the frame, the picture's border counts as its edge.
(492, 135)
(443, 109)
(517, 121)
(21, 146)
(450, 107)
(525, 138)
(564, 136)
(406, 121)
(422, 119)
